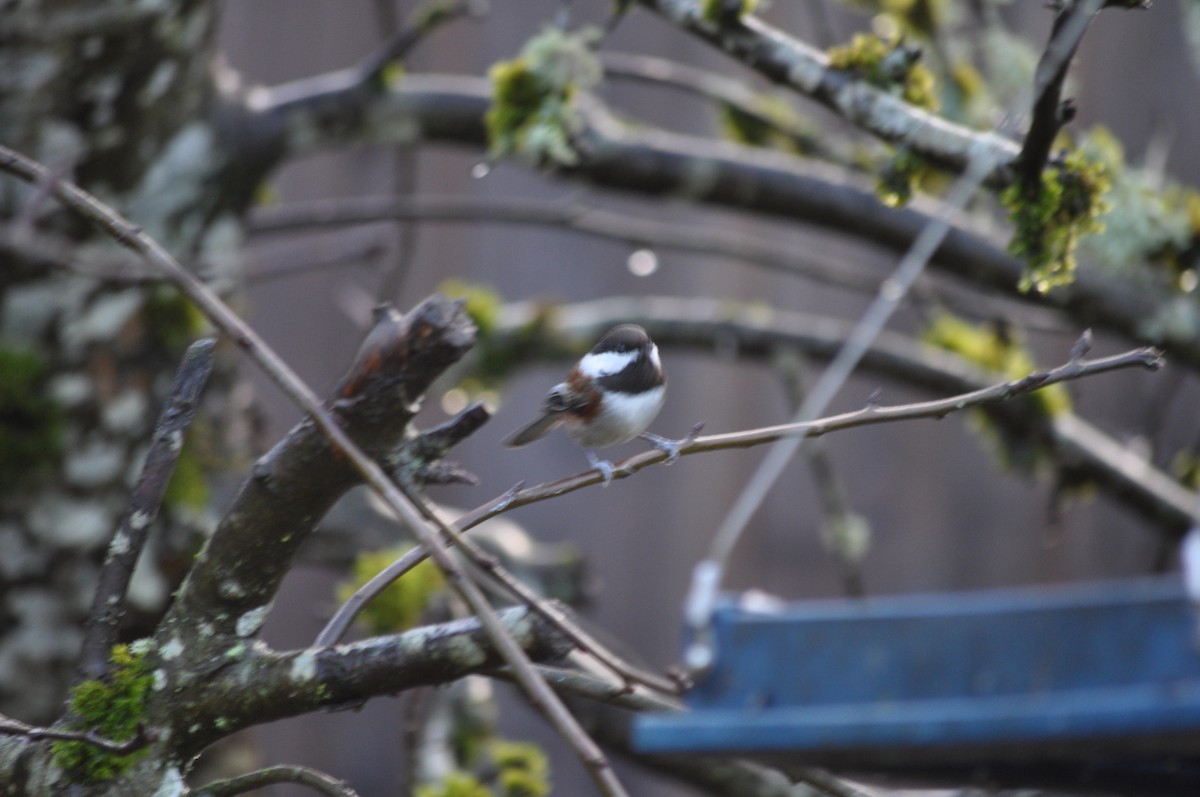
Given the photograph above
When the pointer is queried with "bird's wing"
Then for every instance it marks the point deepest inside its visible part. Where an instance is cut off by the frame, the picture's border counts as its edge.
(536, 429)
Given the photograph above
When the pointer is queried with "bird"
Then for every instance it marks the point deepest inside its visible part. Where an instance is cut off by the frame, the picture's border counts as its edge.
(609, 397)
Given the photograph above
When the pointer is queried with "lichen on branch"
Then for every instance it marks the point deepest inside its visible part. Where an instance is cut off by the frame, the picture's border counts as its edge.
(113, 707)
(1050, 221)
(532, 112)
(889, 65)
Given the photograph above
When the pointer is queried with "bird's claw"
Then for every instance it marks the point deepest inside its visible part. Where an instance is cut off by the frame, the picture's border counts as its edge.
(603, 465)
(672, 448)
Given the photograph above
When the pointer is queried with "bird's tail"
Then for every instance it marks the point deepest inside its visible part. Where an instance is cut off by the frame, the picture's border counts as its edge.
(532, 431)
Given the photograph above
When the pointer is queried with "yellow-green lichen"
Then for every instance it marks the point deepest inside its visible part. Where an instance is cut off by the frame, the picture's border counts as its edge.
(172, 318)
(772, 124)
(1148, 219)
(532, 112)
(113, 708)
(1049, 224)
(188, 486)
(481, 303)
(721, 12)
(923, 18)
(507, 769)
(31, 424)
(398, 607)
(456, 784)
(523, 769)
(889, 65)
(899, 177)
(496, 355)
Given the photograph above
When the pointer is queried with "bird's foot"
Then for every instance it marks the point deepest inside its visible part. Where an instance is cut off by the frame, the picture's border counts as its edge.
(603, 465)
(672, 447)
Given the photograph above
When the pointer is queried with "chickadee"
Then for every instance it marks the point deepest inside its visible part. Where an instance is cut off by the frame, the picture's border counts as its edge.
(609, 397)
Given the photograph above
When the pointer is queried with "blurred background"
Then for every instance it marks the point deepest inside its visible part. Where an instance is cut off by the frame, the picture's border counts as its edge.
(942, 512)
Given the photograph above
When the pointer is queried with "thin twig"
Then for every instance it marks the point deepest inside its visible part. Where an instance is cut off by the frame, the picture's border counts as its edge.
(401, 42)
(874, 414)
(283, 773)
(131, 236)
(108, 603)
(705, 325)
(139, 740)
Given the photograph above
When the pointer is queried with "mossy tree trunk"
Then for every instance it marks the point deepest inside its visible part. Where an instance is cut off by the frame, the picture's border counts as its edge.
(119, 98)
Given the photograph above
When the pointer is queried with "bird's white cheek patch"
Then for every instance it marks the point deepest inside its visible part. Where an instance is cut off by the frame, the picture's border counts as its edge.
(598, 364)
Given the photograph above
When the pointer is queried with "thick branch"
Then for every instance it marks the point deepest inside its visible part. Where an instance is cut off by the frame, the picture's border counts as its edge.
(292, 486)
(790, 62)
(266, 685)
(559, 618)
(108, 604)
(652, 163)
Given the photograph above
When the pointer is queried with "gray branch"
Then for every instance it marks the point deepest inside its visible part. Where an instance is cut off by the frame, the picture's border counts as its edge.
(790, 62)
(129, 538)
(264, 685)
(231, 586)
(317, 114)
(304, 776)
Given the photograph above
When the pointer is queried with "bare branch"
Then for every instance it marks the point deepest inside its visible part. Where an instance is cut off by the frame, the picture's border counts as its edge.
(420, 459)
(108, 603)
(1143, 358)
(635, 230)
(403, 41)
(690, 323)
(304, 776)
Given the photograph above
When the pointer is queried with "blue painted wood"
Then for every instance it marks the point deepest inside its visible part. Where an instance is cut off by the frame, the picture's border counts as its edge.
(1046, 685)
